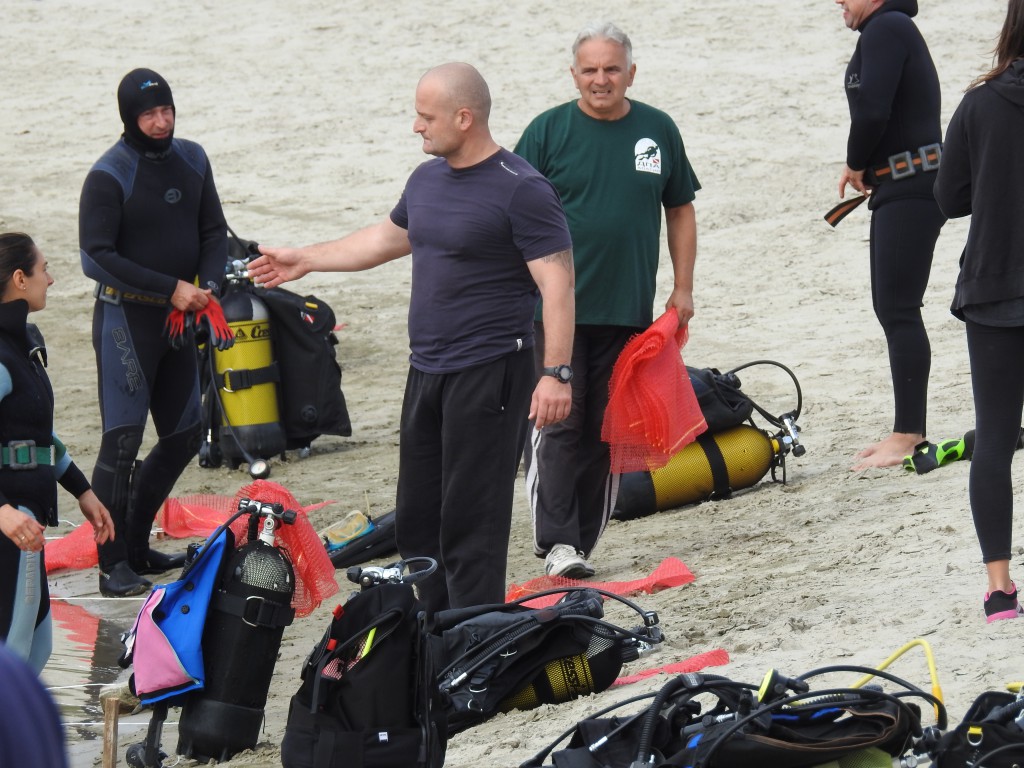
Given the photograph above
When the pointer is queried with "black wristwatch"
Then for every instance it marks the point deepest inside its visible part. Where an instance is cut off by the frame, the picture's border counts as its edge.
(561, 372)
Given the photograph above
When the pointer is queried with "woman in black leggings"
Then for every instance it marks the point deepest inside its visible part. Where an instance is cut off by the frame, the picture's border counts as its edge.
(980, 176)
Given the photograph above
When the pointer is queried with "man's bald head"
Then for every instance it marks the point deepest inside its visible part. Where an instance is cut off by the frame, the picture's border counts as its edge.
(463, 87)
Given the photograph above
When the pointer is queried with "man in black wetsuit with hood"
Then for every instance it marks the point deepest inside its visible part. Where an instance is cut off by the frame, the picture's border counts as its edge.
(892, 153)
(150, 224)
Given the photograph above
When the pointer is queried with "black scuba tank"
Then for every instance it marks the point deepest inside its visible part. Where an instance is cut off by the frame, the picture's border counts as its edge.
(248, 613)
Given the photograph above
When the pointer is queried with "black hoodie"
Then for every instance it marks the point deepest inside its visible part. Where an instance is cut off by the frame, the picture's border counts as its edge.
(980, 175)
(894, 96)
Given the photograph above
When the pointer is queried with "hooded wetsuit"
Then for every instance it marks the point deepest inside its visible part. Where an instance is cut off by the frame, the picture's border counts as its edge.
(149, 216)
(980, 176)
(893, 91)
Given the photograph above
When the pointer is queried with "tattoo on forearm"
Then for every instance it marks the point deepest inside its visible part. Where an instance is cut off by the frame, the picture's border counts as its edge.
(562, 257)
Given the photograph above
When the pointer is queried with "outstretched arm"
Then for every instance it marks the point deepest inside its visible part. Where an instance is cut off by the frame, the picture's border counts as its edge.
(363, 249)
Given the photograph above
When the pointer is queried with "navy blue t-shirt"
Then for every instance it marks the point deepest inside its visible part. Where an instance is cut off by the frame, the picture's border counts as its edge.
(472, 230)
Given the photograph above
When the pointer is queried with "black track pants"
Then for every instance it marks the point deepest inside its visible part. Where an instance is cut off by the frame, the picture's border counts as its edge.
(570, 488)
(461, 441)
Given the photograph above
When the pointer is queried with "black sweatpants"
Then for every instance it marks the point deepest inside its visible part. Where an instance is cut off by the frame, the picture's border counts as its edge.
(461, 440)
(903, 235)
(568, 482)
(997, 375)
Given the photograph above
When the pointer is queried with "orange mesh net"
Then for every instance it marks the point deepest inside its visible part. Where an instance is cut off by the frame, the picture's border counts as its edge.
(201, 514)
(671, 572)
(652, 410)
(715, 658)
(314, 571)
(73, 550)
(197, 515)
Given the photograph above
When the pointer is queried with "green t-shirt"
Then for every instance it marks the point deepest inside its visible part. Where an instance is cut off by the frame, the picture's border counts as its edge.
(614, 178)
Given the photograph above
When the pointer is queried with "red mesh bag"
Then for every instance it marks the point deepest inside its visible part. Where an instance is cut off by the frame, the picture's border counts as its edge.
(314, 571)
(196, 515)
(652, 410)
(716, 658)
(72, 550)
(201, 514)
(671, 572)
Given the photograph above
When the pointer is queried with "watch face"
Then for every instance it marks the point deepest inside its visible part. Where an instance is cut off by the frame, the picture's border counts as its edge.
(561, 372)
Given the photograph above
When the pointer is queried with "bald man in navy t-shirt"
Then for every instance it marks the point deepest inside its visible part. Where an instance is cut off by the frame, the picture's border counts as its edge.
(488, 237)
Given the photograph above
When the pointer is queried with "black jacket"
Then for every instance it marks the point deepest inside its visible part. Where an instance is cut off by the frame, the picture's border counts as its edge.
(894, 96)
(980, 175)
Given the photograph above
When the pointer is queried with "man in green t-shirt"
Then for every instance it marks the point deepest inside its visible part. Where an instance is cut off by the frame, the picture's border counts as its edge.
(616, 163)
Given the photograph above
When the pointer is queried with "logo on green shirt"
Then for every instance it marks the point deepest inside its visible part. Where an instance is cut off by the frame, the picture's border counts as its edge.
(647, 155)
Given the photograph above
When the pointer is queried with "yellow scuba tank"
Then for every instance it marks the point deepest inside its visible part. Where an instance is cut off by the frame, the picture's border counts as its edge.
(246, 380)
(711, 467)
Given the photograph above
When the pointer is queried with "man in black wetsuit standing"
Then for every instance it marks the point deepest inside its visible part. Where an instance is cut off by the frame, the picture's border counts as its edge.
(893, 151)
(150, 224)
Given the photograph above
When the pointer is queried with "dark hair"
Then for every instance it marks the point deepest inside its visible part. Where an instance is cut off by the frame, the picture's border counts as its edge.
(1010, 46)
(17, 251)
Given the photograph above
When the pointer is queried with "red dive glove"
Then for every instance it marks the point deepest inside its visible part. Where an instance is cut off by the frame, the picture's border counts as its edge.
(212, 317)
(175, 327)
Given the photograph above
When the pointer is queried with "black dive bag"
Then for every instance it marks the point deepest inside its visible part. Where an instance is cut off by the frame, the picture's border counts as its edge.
(378, 543)
(781, 724)
(991, 735)
(722, 403)
(368, 697)
(508, 656)
(310, 398)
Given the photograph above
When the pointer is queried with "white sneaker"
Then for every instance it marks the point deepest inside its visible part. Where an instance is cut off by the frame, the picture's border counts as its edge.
(564, 560)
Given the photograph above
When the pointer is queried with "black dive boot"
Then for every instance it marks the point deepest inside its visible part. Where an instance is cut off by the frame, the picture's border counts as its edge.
(150, 561)
(122, 581)
(142, 558)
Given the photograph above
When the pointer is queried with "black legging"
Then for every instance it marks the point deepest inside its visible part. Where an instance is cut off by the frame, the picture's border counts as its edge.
(903, 235)
(997, 375)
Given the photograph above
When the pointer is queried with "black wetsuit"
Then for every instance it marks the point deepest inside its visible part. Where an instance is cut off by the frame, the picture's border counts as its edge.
(894, 96)
(146, 220)
(26, 414)
(980, 177)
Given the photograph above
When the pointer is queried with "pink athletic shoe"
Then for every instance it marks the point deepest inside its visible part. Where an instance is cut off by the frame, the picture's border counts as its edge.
(1000, 605)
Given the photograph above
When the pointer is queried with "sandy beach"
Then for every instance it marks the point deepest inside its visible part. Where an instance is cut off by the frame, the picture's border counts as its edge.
(305, 109)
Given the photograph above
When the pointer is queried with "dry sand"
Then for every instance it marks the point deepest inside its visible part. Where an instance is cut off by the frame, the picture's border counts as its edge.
(305, 109)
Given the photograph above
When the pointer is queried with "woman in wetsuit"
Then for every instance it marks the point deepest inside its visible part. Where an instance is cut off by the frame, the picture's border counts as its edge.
(32, 459)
